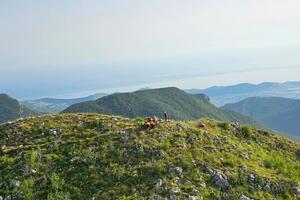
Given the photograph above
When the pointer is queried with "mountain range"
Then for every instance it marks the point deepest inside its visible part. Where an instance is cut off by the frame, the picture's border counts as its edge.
(153, 102)
(280, 114)
(53, 105)
(221, 95)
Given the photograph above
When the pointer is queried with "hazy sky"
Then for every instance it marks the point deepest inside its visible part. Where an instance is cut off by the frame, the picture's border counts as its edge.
(55, 47)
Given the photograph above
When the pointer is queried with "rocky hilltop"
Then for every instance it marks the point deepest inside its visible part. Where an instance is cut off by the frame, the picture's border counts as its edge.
(92, 156)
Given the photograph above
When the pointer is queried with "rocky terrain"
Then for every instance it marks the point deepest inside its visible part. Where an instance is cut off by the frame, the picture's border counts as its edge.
(92, 156)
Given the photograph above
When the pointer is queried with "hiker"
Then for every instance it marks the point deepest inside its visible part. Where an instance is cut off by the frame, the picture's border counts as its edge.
(150, 123)
(166, 116)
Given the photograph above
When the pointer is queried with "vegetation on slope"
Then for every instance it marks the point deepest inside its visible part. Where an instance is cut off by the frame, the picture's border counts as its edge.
(91, 156)
(177, 103)
(11, 109)
(280, 114)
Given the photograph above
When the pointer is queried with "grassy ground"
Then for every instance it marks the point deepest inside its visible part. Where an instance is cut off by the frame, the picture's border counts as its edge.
(92, 156)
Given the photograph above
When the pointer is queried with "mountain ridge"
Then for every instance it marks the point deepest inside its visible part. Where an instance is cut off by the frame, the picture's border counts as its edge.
(280, 114)
(153, 102)
(11, 109)
(56, 105)
(221, 95)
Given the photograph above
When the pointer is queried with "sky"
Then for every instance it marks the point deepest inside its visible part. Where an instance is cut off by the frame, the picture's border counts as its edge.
(74, 47)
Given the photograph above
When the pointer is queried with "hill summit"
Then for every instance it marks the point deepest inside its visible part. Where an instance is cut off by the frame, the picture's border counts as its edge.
(153, 102)
(92, 156)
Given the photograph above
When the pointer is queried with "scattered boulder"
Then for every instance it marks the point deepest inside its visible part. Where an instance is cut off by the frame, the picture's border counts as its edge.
(192, 137)
(194, 198)
(157, 197)
(75, 158)
(113, 119)
(180, 127)
(194, 192)
(16, 183)
(244, 197)
(251, 178)
(155, 153)
(268, 187)
(173, 193)
(158, 184)
(208, 170)
(220, 179)
(122, 132)
(224, 139)
(235, 124)
(176, 170)
(203, 185)
(55, 131)
(209, 149)
(296, 190)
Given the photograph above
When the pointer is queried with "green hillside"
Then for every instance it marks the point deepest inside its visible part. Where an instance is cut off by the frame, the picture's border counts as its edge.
(280, 114)
(92, 156)
(11, 109)
(177, 103)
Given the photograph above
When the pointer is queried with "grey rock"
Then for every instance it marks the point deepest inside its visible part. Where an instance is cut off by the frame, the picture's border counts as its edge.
(192, 137)
(173, 197)
(208, 170)
(16, 183)
(209, 149)
(235, 124)
(251, 178)
(55, 131)
(221, 180)
(155, 153)
(8, 197)
(268, 188)
(122, 132)
(174, 191)
(203, 184)
(244, 197)
(224, 139)
(156, 197)
(74, 159)
(114, 119)
(176, 170)
(194, 198)
(158, 184)
(296, 191)
(195, 192)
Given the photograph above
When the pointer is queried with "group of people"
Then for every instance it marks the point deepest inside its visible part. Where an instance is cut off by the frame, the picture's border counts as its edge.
(150, 122)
